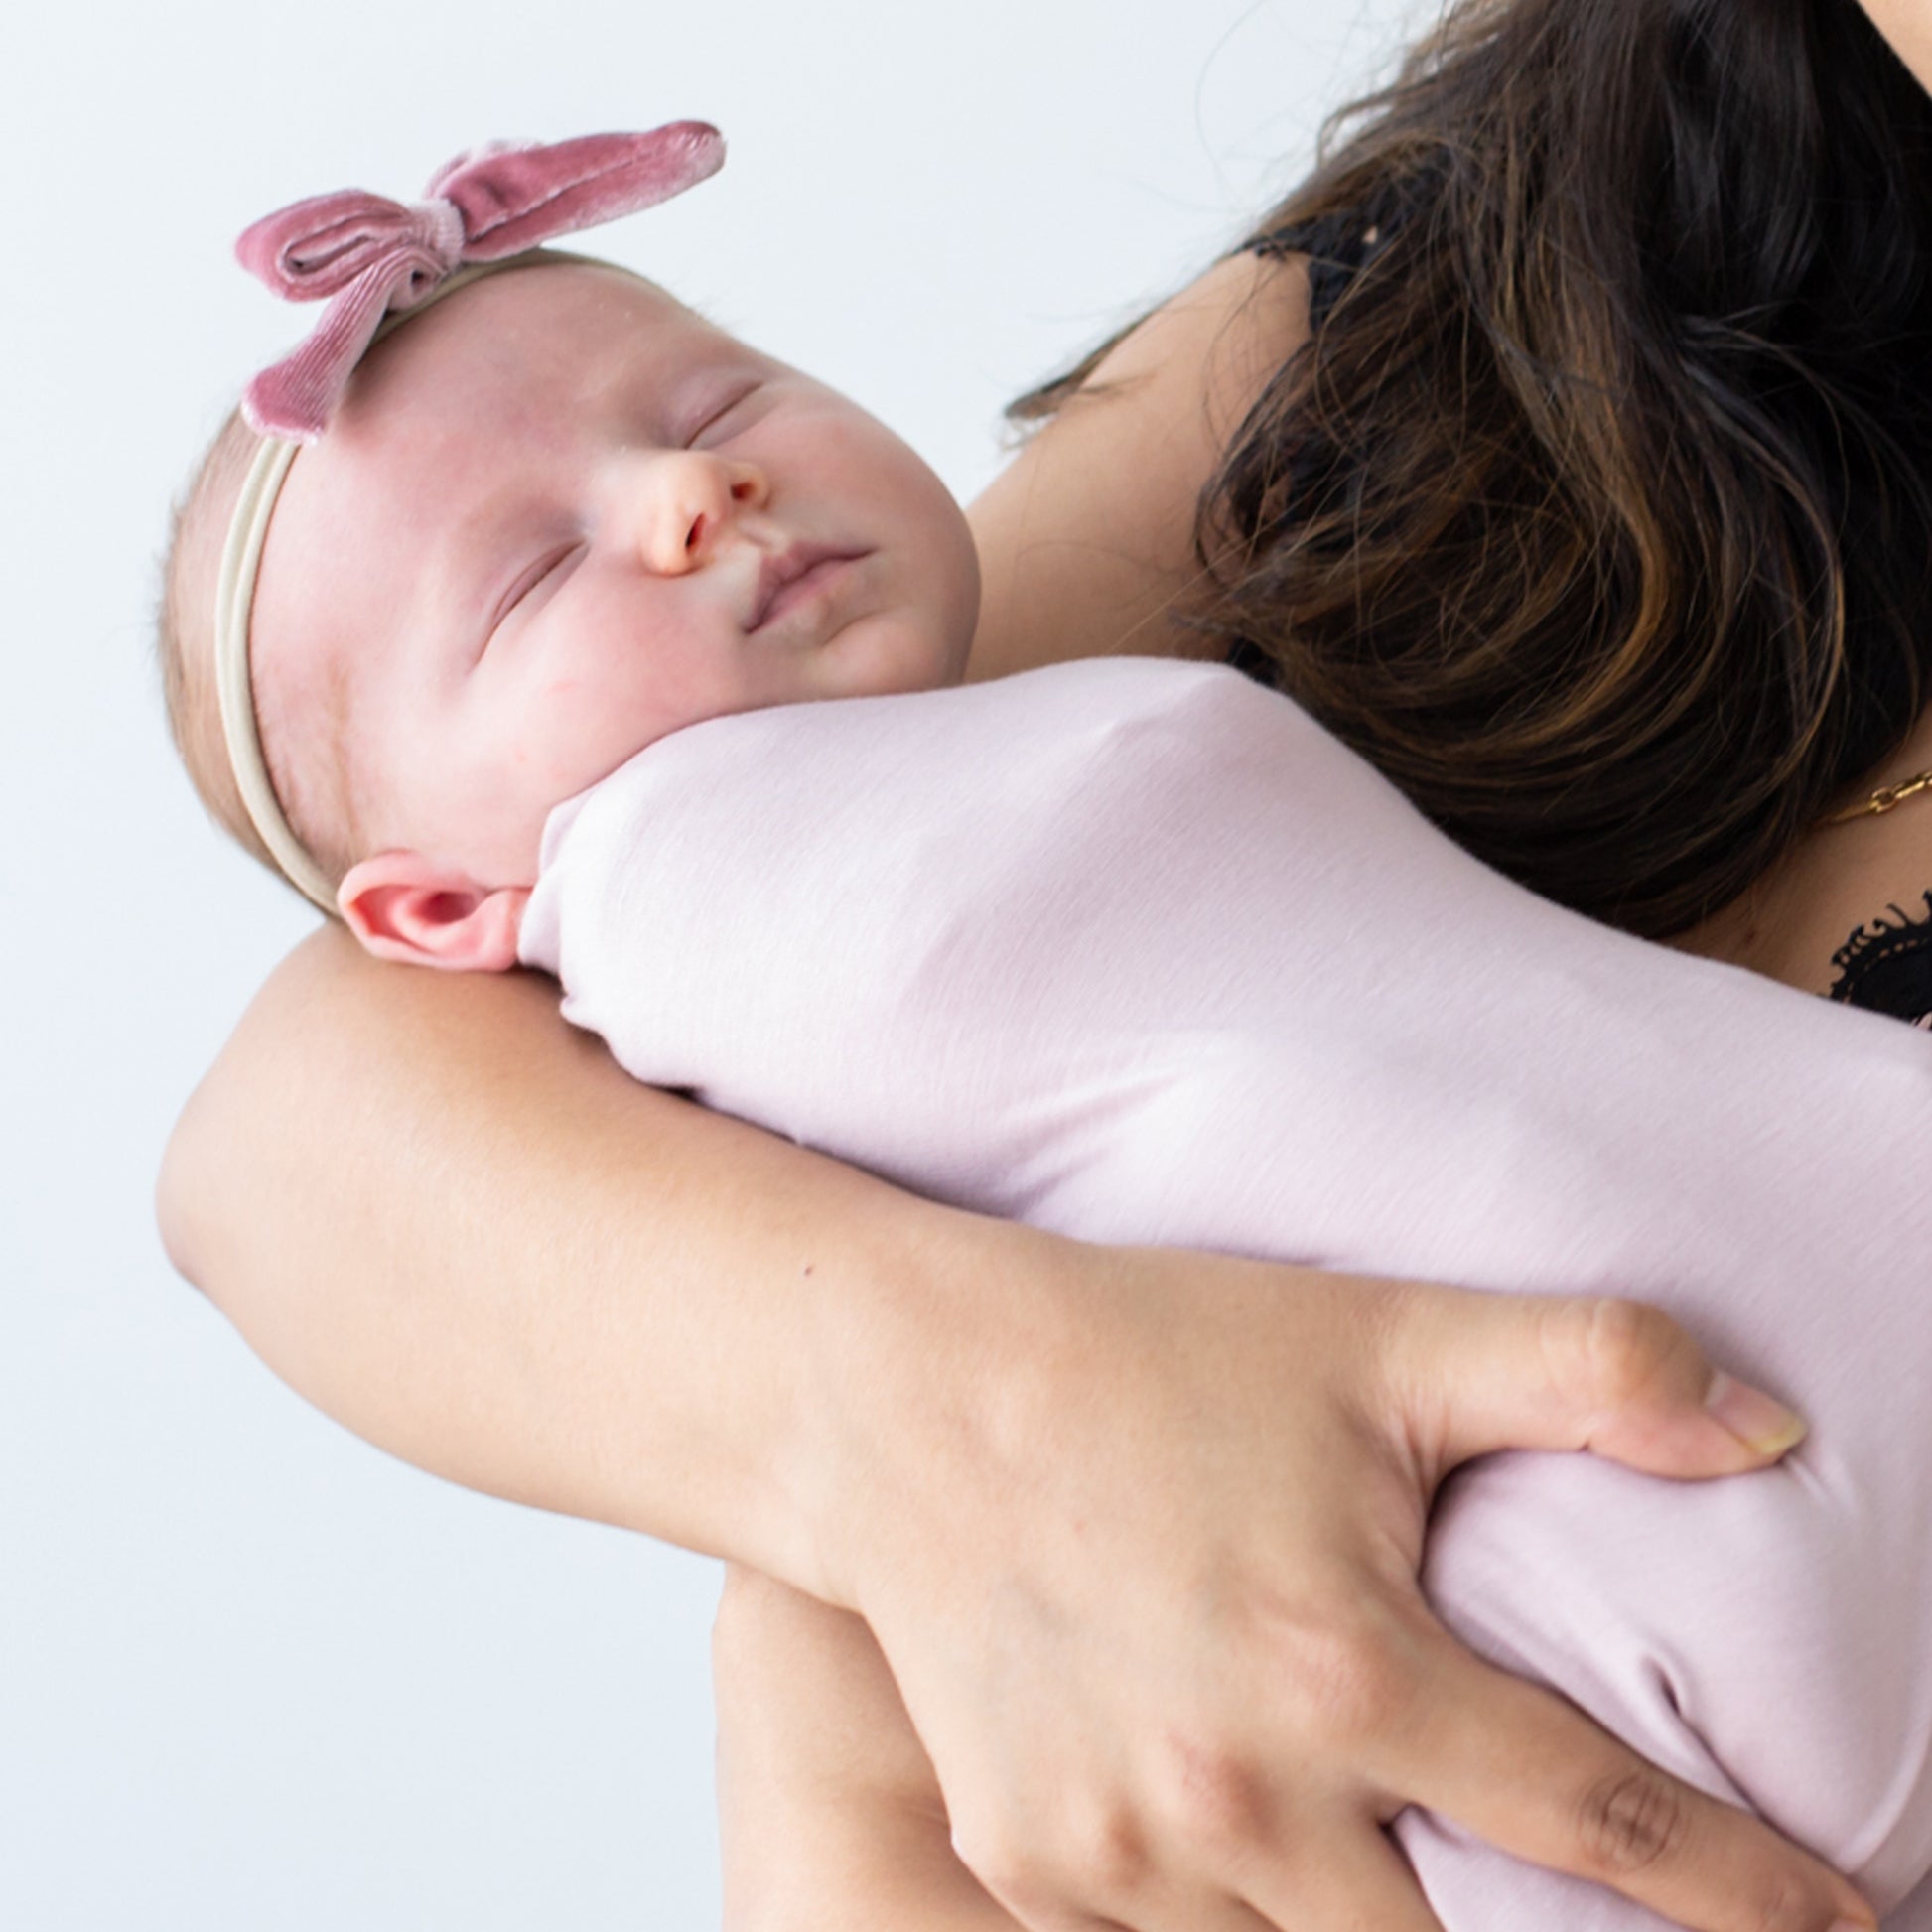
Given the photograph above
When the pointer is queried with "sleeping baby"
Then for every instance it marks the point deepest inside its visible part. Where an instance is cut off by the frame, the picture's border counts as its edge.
(580, 635)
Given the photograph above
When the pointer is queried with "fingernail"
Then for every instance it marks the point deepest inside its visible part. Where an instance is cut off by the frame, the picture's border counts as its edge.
(1761, 1425)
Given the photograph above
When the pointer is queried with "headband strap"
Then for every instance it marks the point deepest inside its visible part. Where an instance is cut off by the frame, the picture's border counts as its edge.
(377, 262)
(235, 596)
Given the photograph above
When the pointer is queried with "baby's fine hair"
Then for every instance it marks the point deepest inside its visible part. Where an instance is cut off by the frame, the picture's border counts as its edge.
(308, 760)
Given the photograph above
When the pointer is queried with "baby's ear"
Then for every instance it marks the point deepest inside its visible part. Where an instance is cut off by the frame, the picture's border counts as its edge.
(404, 906)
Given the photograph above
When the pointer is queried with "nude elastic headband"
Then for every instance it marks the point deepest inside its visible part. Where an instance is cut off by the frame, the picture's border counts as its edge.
(376, 262)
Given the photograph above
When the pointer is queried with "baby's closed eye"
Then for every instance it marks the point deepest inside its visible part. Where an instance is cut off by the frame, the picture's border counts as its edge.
(544, 571)
(717, 417)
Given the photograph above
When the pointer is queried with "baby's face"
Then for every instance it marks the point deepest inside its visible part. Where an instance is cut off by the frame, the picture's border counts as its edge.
(560, 515)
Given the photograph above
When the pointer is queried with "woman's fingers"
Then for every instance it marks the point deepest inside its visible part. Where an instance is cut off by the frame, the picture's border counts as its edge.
(1527, 1771)
(1197, 1915)
(1359, 1882)
(1350, 1880)
(1475, 1372)
(1517, 1765)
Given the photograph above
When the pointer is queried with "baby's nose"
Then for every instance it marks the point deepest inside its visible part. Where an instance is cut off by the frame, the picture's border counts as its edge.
(694, 499)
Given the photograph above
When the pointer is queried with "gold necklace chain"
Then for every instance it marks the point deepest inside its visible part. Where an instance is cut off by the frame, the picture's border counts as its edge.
(1883, 800)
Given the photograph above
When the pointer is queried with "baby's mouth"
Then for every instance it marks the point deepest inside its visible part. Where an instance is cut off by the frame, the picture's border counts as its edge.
(794, 575)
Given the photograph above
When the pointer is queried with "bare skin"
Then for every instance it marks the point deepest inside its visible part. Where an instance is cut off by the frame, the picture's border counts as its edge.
(482, 1247)
(1791, 923)
(1907, 24)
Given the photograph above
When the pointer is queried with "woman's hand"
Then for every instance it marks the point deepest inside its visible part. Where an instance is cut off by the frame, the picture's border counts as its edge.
(829, 1817)
(1157, 1624)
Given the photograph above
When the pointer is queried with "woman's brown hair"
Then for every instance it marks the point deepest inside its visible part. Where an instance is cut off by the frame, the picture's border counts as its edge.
(1597, 511)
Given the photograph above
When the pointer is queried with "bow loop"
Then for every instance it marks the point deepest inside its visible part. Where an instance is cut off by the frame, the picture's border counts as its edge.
(516, 197)
(318, 247)
(369, 256)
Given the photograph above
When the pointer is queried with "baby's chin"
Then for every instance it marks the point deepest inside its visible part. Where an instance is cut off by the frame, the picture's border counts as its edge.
(891, 656)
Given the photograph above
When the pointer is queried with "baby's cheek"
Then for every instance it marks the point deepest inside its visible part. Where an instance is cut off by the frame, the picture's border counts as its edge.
(575, 733)
(548, 741)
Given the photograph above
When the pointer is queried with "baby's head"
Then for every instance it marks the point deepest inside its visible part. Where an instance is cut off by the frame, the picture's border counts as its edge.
(555, 516)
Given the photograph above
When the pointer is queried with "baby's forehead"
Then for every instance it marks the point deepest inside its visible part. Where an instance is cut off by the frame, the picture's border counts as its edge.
(530, 327)
(517, 363)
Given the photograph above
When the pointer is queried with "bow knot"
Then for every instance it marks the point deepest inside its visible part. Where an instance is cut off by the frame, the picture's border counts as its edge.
(368, 256)
(318, 247)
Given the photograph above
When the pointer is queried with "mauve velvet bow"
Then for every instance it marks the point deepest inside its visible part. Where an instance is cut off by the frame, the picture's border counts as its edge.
(366, 255)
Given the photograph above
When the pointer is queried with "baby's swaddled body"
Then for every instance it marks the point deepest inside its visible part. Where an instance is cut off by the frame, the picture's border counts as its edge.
(1133, 950)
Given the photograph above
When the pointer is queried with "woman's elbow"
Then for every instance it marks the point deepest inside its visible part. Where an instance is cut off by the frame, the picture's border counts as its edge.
(180, 1192)
(225, 1120)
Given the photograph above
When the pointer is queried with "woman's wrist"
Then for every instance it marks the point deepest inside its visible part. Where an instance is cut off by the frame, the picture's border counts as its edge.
(936, 1369)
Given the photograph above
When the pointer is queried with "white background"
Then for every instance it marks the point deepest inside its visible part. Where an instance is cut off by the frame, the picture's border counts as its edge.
(253, 1675)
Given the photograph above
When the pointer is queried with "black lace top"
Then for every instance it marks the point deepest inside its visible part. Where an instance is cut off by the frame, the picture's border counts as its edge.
(1887, 965)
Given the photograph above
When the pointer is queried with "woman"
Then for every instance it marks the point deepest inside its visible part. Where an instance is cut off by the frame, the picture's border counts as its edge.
(1554, 462)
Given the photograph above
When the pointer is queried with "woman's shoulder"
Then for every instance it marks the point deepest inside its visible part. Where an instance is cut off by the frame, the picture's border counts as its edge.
(1086, 538)
(1337, 237)
(1332, 250)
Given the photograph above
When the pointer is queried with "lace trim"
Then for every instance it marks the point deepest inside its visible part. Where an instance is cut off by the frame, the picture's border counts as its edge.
(1887, 966)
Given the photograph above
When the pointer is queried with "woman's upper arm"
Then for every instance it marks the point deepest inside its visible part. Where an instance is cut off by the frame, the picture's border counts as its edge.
(1087, 536)
(449, 1219)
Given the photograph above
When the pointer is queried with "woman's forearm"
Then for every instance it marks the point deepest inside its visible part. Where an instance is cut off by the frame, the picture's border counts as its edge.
(447, 1219)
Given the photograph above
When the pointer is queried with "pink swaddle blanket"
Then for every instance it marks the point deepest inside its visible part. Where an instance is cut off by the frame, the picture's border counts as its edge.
(1133, 950)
